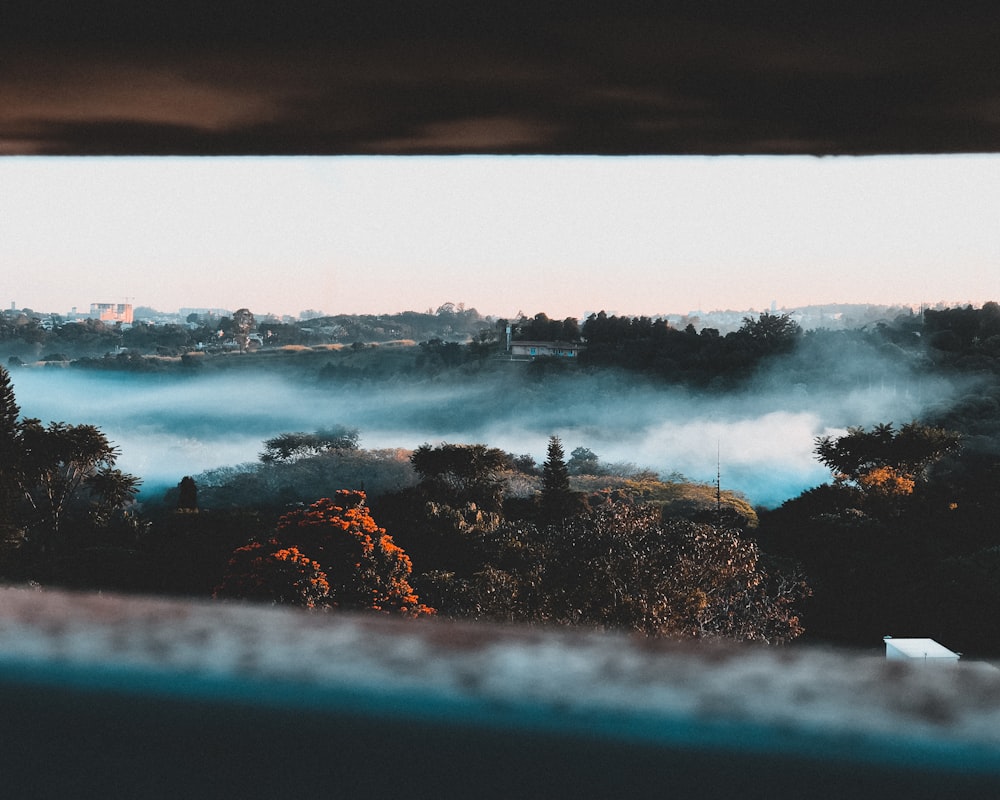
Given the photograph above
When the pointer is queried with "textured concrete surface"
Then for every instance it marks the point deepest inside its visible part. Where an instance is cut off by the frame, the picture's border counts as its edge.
(145, 697)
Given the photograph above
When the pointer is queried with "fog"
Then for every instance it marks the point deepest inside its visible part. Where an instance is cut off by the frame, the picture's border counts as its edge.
(761, 438)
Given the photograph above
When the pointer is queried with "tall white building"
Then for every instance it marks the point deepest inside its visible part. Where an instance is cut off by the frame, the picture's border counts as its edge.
(112, 312)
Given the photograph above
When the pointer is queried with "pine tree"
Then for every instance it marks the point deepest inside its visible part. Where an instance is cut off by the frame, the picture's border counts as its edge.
(187, 491)
(556, 494)
(9, 413)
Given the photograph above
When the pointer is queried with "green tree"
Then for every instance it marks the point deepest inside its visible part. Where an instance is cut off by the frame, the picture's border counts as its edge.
(9, 412)
(525, 463)
(570, 330)
(61, 464)
(583, 461)
(9, 427)
(458, 474)
(883, 459)
(556, 495)
(111, 490)
(187, 495)
(622, 567)
(772, 333)
(291, 446)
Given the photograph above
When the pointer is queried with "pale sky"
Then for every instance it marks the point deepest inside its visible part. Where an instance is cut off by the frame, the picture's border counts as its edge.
(563, 235)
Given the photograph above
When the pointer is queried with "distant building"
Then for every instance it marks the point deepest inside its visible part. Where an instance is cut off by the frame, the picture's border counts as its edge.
(530, 350)
(111, 312)
(921, 651)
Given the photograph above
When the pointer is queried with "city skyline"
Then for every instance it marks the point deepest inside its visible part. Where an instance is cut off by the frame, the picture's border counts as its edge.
(561, 235)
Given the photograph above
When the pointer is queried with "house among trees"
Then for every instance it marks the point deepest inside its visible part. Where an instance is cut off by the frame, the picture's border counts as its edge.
(538, 337)
(530, 350)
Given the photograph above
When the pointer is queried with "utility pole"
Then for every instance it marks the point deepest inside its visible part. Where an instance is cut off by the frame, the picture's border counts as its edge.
(718, 483)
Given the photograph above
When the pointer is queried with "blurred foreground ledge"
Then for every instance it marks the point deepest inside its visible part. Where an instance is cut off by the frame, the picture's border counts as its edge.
(143, 697)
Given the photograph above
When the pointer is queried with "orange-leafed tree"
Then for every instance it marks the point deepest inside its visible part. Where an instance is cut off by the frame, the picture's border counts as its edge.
(886, 482)
(270, 572)
(361, 564)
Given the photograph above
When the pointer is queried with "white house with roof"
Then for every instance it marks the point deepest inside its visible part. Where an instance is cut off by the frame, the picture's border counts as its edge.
(530, 350)
(925, 651)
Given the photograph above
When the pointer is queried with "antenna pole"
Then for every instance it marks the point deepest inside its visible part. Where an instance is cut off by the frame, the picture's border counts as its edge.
(718, 483)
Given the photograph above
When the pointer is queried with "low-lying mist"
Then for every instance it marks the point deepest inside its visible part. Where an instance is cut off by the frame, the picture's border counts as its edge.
(760, 437)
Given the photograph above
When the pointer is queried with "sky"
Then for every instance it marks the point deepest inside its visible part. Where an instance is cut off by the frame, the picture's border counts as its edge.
(562, 235)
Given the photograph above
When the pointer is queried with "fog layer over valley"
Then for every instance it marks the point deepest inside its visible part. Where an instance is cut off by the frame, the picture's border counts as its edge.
(761, 435)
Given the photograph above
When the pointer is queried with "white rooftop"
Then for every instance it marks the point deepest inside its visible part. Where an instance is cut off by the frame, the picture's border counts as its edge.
(917, 648)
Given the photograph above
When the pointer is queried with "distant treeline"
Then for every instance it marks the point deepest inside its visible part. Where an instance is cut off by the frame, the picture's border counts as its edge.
(653, 346)
(951, 340)
(964, 339)
(50, 338)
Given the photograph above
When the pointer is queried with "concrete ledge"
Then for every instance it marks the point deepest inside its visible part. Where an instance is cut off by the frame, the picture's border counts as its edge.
(141, 697)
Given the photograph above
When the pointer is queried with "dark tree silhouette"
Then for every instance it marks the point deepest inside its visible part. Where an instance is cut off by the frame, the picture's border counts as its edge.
(773, 333)
(457, 474)
(59, 464)
(111, 490)
(622, 567)
(883, 457)
(9, 413)
(187, 494)
(541, 328)
(291, 446)
(583, 461)
(556, 495)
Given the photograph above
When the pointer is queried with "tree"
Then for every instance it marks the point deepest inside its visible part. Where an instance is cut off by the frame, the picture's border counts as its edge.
(292, 446)
(187, 495)
(570, 330)
(9, 411)
(335, 540)
(583, 461)
(47, 471)
(9, 426)
(772, 333)
(272, 573)
(622, 567)
(885, 461)
(243, 323)
(112, 490)
(556, 495)
(60, 464)
(458, 474)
